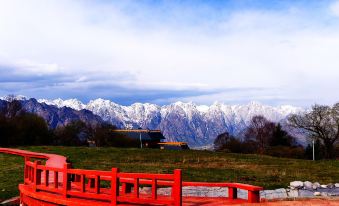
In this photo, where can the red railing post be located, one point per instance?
(82, 183)
(26, 174)
(253, 196)
(115, 186)
(126, 188)
(97, 184)
(232, 193)
(177, 188)
(46, 178)
(37, 175)
(65, 180)
(56, 179)
(154, 189)
(136, 187)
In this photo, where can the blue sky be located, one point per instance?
(275, 52)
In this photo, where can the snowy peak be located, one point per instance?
(13, 97)
(71, 103)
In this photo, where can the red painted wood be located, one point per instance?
(114, 186)
(224, 184)
(177, 188)
(56, 183)
(253, 196)
(154, 189)
(232, 193)
(56, 179)
(65, 185)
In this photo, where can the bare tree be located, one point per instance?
(322, 123)
(260, 130)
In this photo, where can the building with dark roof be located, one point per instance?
(148, 138)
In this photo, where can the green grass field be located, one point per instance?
(269, 172)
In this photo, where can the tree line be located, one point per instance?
(320, 124)
(261, 137)
(20, 128)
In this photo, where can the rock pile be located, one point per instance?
(302, 189)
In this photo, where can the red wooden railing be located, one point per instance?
(60, 182)
(253, 191)
(86, 184)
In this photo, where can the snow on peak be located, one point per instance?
(142, 113)
(203, 108)
(13, 97)
(71, 103)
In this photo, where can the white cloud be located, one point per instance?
(284, 49)
(334, 8)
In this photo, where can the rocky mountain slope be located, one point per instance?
(55, 116)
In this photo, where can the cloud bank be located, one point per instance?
(163, 51)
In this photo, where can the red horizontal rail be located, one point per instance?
(148, 181)
(90, 195)
(23, 153)
(146, 176)
(49, 189)
(223, 184)
(42, 167)
(89, 172)
(130, 199)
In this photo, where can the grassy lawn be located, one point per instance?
(269, 172)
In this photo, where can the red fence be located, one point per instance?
(57, 181)
(109, 186)
(252, 191)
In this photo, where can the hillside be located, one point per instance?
(269, 172)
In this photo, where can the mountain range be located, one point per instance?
(196, 124)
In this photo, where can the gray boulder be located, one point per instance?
(308, 185)
(330, 186)
(306, 193)
(292, 193)
(316, 185)
(296, 184)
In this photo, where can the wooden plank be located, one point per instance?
(154, 189)
(177, 188)
(114, 187)
(56, 179)
(46, 178)
(136, 188)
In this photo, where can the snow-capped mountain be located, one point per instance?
(196, 124)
